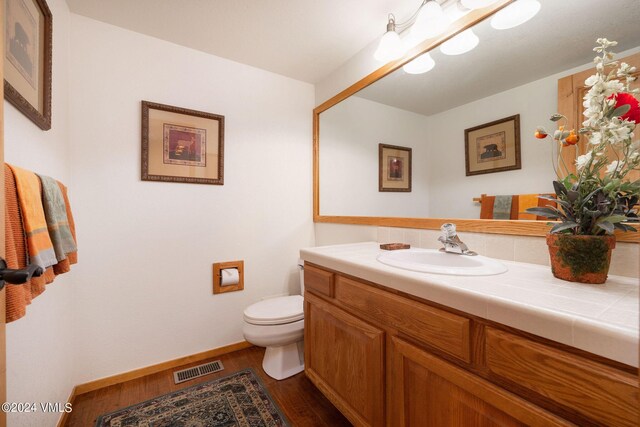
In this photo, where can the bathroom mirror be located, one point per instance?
(511, 72)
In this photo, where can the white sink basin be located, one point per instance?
(434, 261)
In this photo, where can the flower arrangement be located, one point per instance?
(600, 196)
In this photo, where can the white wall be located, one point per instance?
(357, 67)
(350, 133)
(40, 346)
(451, 191)
(144, 283)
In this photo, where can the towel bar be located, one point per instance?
(17, 277)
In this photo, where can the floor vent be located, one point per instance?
(197, 371)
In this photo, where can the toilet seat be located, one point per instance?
(275, 311)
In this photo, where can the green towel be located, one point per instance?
(502, 207)
(55, 211)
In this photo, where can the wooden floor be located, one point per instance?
(297, 397)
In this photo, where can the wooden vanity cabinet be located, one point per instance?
(344, 357)
(383, 358)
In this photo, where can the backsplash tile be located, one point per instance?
(475, 242)
(384, 235)
(429, 239)
(531, 249)
(625, 260)
(396, 235)
(412, 237)
(499, 246)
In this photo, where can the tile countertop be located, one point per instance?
(601, 319)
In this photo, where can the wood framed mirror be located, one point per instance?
(510, 70)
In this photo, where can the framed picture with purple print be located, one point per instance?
(182, 145)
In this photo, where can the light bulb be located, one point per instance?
(462, 43)
(476, 4)
(431, 21)
(515, 14)
(420, 65)
(390, 47)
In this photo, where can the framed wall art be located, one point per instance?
(181, 145)
(493, 147)
(27, 59)
(394, 168)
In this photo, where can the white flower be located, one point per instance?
(618, 131)
(596, 138)
(625, 70)
(582, 161)
(615, 166)
(593, 79)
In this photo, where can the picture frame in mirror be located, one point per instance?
(493, 147)
(394, 168)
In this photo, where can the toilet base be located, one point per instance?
(284, 361)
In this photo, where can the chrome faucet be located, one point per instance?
(451, 241)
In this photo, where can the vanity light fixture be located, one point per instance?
(431, 21)
(515, 14)
(428, 21)
(390, 46)
(477, 4)
(420, 65)
(462, 43)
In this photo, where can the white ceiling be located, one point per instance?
(561, 36)
(301, 39)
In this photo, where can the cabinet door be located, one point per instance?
(431, 392)
(344, 357)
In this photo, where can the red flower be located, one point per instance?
(633, 115)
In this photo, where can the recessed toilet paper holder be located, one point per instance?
(228, 276)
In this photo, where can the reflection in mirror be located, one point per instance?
(510, 72)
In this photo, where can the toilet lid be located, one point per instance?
(275, 311)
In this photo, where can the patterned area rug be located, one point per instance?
(239, 400)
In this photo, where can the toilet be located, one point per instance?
(278, 324)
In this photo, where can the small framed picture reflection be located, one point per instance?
(493, 147)
(394, 168)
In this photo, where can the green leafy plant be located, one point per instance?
(599, 197)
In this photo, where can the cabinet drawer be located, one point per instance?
(598, 392)
(318, 280)
(443, 330)
(429, 391)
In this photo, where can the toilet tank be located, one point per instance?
(301, 269)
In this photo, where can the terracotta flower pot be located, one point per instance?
(583, 259)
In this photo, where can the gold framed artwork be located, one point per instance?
(182, 145)
(394, 168)
(493, 147)
(27, 59)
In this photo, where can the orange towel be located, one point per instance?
(19, 296)
(544, 203)
(527, 201)
(39, 244)
(486, 207)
